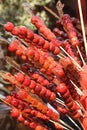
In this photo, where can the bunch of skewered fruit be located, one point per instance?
(52, 81)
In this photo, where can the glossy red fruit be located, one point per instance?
(13, 46)
(49, 112)
(48, 93)
(23, 57)
(20, 118)
(8, 99)
(30, 53)
(43, 91)
(34, 112)
(40, 79)
(37, 21)
(27, 110)
(14, 102)
(53, 96)
(30, 35)
(15, 113)
(26, 122)
(55, 116)
(41, 41)
(45, 82)
(46, 118)
(23, 31)
(26, 80)
(36, 39)
(15, 31)
(21, 94)
(39, 127)
(33, 125)
(62, 88)
(19, 77)
(19, 51)
(32, 84)
(38, 88)
(36, 56)
(8, 26)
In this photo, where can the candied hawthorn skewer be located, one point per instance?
(43, 59)
(74, 59)
(28, 69)
(37, 104)
(25, 82)
(20, 116)
(19, 104)
(34, 39)
(55, 41)
(62, 89)
(71, 31)
(42, 28)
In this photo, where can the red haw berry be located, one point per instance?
(13, 46)
(41, 41)
(34, 112)
(53, 96)
(14, 102)
(62, 88)
(20, 118)
(23, 31)
(26, 80)
(55, 116)
(32, 84)
(14, 113)
(26, 123)
(39, 127)
(45, 117)
(21, 94)
(32, 125)
(43, 91)
(48, 93)
(30, 35)
(15, 31)
(38, 88)
(23, 57)
(45, 82)
(19, 51)
(8, 26)
(49, 112)
(37, 21)
(19, 77)
(8, 99)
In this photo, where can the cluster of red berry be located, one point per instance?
(53, 77)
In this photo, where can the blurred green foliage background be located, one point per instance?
(13, 10)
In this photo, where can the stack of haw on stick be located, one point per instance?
(50, 83)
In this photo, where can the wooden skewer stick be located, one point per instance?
(61, 47)
(56, 123)
(81, 125)
(6, 103)
(82, 25)
(78, 90)
(74, 122)
(51, 12)
(13, 64)
(62, 103)
(63, 123)
(81, 55)
(59, 7)
(79, 67)
(61, 54)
